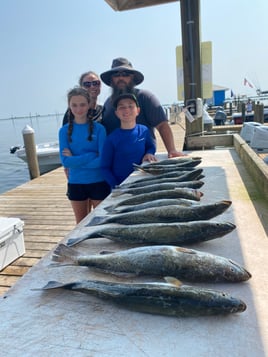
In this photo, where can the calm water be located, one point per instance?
(14, 171)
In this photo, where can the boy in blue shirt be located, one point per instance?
(131, 143)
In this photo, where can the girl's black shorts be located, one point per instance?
(91, 191)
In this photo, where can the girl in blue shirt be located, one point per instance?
(131, 143)
(81, 143)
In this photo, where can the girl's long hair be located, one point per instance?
(72, 93)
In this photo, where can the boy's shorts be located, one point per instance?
(92, 191)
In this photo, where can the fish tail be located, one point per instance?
(117, 192)
(110, 208)
(53, 285)
(73, 241)
(173, 281)
(50, 285)
(57, 285)
(97, 220)
(65, 255)
(89, 235)
(138, 168)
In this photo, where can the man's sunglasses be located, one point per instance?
(89, 84)
(121, 74)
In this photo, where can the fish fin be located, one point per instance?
(104, 252)
(185, 250)
(117, 192)
(73, 241)
(103, 235)
(50, 285)
(173, 281)
(97, 220)
(196, 158)
(138, 168)
(227, 202)
(66, 255)
(110, 208)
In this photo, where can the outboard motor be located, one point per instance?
(13, 149)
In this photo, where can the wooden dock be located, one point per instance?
(47, 214)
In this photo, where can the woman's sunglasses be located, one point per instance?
(89, 84)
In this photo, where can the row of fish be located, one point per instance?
(160, 260)
(170, 299)
(163, 217)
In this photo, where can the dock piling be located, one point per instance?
(30, 150)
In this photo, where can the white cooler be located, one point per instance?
(11, 240)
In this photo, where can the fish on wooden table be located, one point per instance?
(185, 163)
(174, 161)
(154, 203)
(187, 193)
(147, 176)
(164, 260)
(158, 233)
(156, 187)
(188, 176)
(165, 214)
(162, 170)
(170, 298)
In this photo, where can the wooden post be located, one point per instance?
(191, 57)
(243, 112)
(30, 150)
(231, 108)
(258, 113)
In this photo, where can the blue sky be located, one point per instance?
(46, 45)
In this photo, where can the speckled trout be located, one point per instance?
(187, 193)
(163, 260)
(177, 160)
(154, 203)
(170, 298)
(159, 233)
(172, 163)
(157, 187)
(165, 214)
(148, 176)
(159, 170)
(189, 176)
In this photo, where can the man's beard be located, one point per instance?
(118, 91)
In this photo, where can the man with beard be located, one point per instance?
(123, 78)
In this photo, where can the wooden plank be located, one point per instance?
(3, 289)
(34, 253)
(47, 214)
(38, 246)
(8, 280)
(25, 262)
(209, 141)
(43, 206)
(16, 270)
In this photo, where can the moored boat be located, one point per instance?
(47, 155)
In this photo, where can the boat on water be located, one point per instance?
(47, 155)
(249, 117)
